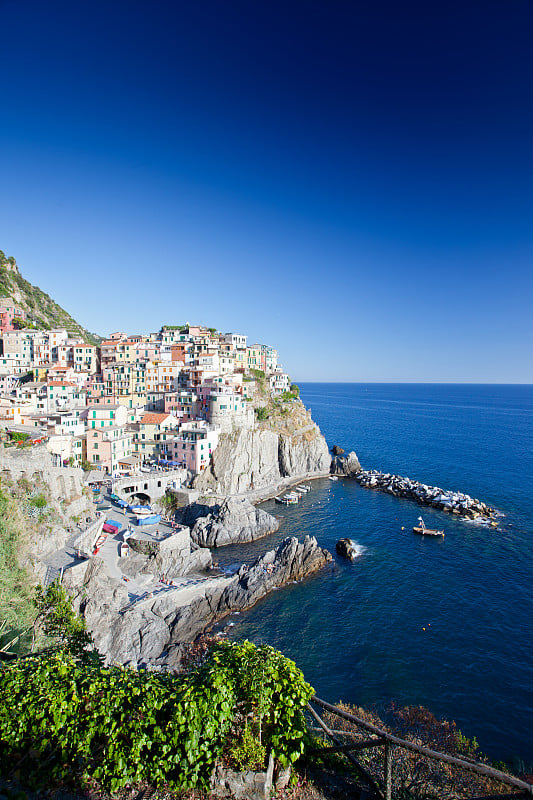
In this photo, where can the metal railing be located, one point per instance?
(383, 785)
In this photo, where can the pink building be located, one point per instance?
(193, 447)
(8, 311)
(186, 405)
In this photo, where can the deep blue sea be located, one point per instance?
(447, 624)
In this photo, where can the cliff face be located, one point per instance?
(288, 446)
(150, 629)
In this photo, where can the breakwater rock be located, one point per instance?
(453, 502)
(234, 521)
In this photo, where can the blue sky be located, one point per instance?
(350, 182)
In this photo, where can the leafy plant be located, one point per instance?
(119, 726)
(57, 620)
(247, 752)
(261, 413)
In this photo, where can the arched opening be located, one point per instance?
(142, 497)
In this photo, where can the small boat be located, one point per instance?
(153, 519)
(279, 499)
(333, 477)
(303, 489)
(141, 510)
(291, 499)
(426, 531)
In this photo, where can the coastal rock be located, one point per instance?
(346, 466)
(291, 561)
(345, 547)
(236, 520)
(259, 458)
(336, 450)
(149, 630)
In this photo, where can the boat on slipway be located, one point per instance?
(421, 528)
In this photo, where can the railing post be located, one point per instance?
(387, 770)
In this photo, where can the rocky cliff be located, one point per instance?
(288, 445)
(150, 630)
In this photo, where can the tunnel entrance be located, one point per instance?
(142, 497)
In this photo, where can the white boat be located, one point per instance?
(333, 478)
(304, 489)
(291, 499)
(141, 511)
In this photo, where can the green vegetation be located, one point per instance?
(16, 604)
(261, 413)
(57, 621)
(295, 389)
(42, 311)
(246, 751)
(257, 373)
(19, 436)
(115, 726)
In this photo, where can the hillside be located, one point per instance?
(42, 311)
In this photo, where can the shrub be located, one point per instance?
(261, 413)
(118, 726)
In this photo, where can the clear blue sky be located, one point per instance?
(351, 182)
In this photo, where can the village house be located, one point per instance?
(193, 447)
(10, 311)
(106, 447)
(279, 382)
(150, 432)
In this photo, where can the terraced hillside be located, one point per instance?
(42, 311)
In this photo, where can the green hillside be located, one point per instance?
(43, 312)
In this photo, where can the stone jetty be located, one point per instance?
(454, 502)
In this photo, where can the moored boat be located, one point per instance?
(426, 531)
(291, 499)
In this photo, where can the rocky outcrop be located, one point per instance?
(345, 466)
(262, 457)
(236, 520)
(336, 450)
(149, 629)
(345, 547)
(291, 561)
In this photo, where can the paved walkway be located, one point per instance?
(144, 586)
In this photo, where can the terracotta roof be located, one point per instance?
(153, 419)
(61, 383)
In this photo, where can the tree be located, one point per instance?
(57, 619)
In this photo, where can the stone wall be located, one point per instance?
(152, 484)
(65, 483)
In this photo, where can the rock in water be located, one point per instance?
(291, 561)
(347, 466)
(344, 547)
(235, 520)
(336, 450)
